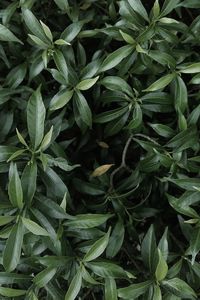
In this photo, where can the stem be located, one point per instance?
(122, 165)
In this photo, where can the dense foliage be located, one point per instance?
(99, 149)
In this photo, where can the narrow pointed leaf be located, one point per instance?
(42, 278)
(35, 118)
(110, 289)
(86, 83)
(160, 83)
(34, 227)
(14, 187)
(179, 288)
(74, 287)
(162, 268)
(61, 99)
(83, 108)
(97, 248)
(134, 290)
(113, 59)
(7, 36)
(8, 292)
(12, 251)
(29, 178)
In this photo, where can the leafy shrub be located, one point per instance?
(99, 149)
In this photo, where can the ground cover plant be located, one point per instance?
(99, 149)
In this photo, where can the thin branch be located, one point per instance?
(122, 165)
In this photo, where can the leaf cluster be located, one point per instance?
(99, 149)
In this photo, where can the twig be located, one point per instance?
(122, 165)
(147, 138)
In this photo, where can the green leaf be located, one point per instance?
(107, 269)
(194, 116)
(194, 244)
(148, 249)
(52, 209)
(163, 244)
(74, 287)
(110, 289)
(183, 140)
(160, 83)
(46, 140)
(163, 130)
(157, 295)
(156, 9)
(97, 248)
(35, 118)
(162, 58)
(87, 277)
(44, 222)
(16, 76)
(110, 115)
(54, 183)
(29, 179)
(62, 4)
(62, 163)
(175, 269)
(113, 59)
(133, 291)
(83, 108)
(6, 152)
(61, 64)
(16, 154)
(116, 125)
(42, 278)
(88, 220)
(36, 67)
(116, 240)
(12, 251)
(47, 31)
(139, 8)
(9, 12)
(34, 227)
(136, 117)
(181, 207)
(168, 6)
(181, 97)
(190, 3)
(7, 36)
(189, 184)
(195, 79)
(14, 187)
(162, 268)
(128, 38)
(157, 102)
(21, 139)
(86, 83)
(182, 122)
(6, 220)
(10, 278)
(32, 296)
(8, 292)
(190, 69)
(38, 41)
(179, 288)
(34, 25)
(61, 42)
(61, 99)
(115, 83)
(72, 31)
(53, 261)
